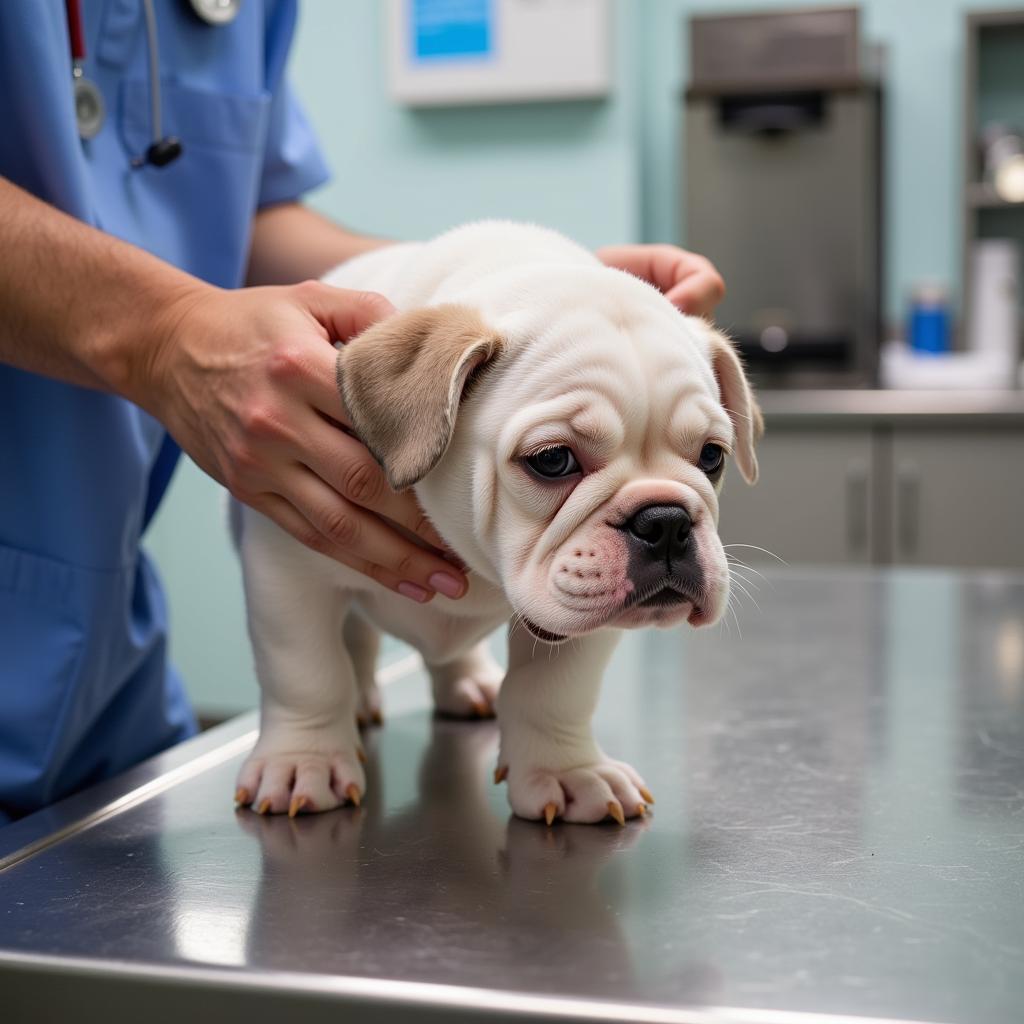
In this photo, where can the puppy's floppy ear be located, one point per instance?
(739, 402)
(402, 381)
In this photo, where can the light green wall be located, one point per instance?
(599, 171)
(411, 174)
(189, 539)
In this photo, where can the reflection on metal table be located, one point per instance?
(839, 831)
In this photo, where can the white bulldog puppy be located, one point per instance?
(566, 430)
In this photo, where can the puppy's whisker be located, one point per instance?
(756, 548)
(737, 566)
(723, 624)
(740, 571)
(738, 580)
(747, 593)
(736, 560)
(735, 572)
(732, 608)
(741, 583)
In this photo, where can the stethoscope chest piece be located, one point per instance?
(216, 12)
(90, 110)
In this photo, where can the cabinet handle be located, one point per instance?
(908, 496)
(856, 505)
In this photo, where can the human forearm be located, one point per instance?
(291, 243)
(244, 380)
(77, 304)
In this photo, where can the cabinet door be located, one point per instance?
(813, 503)
(958, 497)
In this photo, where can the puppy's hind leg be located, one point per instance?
(467, 686)
(362, 640)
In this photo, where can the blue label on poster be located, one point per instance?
(451, 29)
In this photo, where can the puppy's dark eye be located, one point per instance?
(711, 458)
(553, 463)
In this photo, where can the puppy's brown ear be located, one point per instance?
(739, 402)
(402, 381)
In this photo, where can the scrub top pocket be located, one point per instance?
(43, 642)
(65, 665)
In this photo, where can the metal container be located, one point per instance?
(783, 192)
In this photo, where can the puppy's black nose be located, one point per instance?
(662, 532)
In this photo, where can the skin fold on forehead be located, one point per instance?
(651, 376)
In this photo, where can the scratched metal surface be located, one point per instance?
(839, 830)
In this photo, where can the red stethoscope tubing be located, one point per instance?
(75, 32)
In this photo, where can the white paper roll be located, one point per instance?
(995, 299)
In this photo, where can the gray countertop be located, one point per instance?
(908, 408)
(839, 834)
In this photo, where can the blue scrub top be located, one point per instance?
(85, 688)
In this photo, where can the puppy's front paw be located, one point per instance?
(588, 793)
(300, 776)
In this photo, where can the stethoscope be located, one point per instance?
(91, 111)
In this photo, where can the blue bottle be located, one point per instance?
(928, 329)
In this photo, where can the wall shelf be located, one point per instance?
(993, 93)
(982, 196)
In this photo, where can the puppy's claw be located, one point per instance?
(376, 717)
(361, 754)
(352, 792)
(641, 810)
(482, 709)
(299, 803)
(615, 810)
(550, 810)
(500, 774)
(242, 798)
(264, 807)
(646, 794)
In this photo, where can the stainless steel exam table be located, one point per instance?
(839, 833)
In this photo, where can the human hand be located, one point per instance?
(245, 382)
(686, 279)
